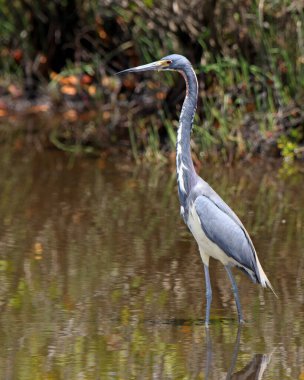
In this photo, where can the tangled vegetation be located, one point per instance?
(249, 57)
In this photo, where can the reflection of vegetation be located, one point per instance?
(250, 61)
(95, 261)
(79, 148)
(290, 145)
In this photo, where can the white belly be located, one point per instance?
(206, 246)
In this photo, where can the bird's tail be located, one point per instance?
(263, 278)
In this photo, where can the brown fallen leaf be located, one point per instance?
(101, 163)
(70, 115)
(250, 107)
(39, 108)
(14, 91)
(17, 54)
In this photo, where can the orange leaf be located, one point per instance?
(3, 112)
(43, 59)
(106, 116)
(70, 80)
(105, 81)
(161, 95)
(17, 55)
(68, 90)
(86, 79)
(186, 329)
(38, 248)
(102, 33)
(54, 75)
(92, 90)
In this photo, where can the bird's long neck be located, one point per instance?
(186, 175)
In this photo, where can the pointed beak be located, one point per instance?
(157, 65)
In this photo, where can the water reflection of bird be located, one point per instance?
(217, 229)
(253, 370)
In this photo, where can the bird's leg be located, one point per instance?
(209, 354)
(208, 294)
(235, 353)
(236, 294)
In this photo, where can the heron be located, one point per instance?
(217, 230)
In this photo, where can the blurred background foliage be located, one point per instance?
(60, 56)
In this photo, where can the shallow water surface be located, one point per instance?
(100, 279)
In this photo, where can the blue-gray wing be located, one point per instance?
(226, 232)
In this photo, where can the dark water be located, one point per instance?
(101, 280)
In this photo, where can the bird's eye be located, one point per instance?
(169, 62)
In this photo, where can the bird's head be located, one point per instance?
(173, 62)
